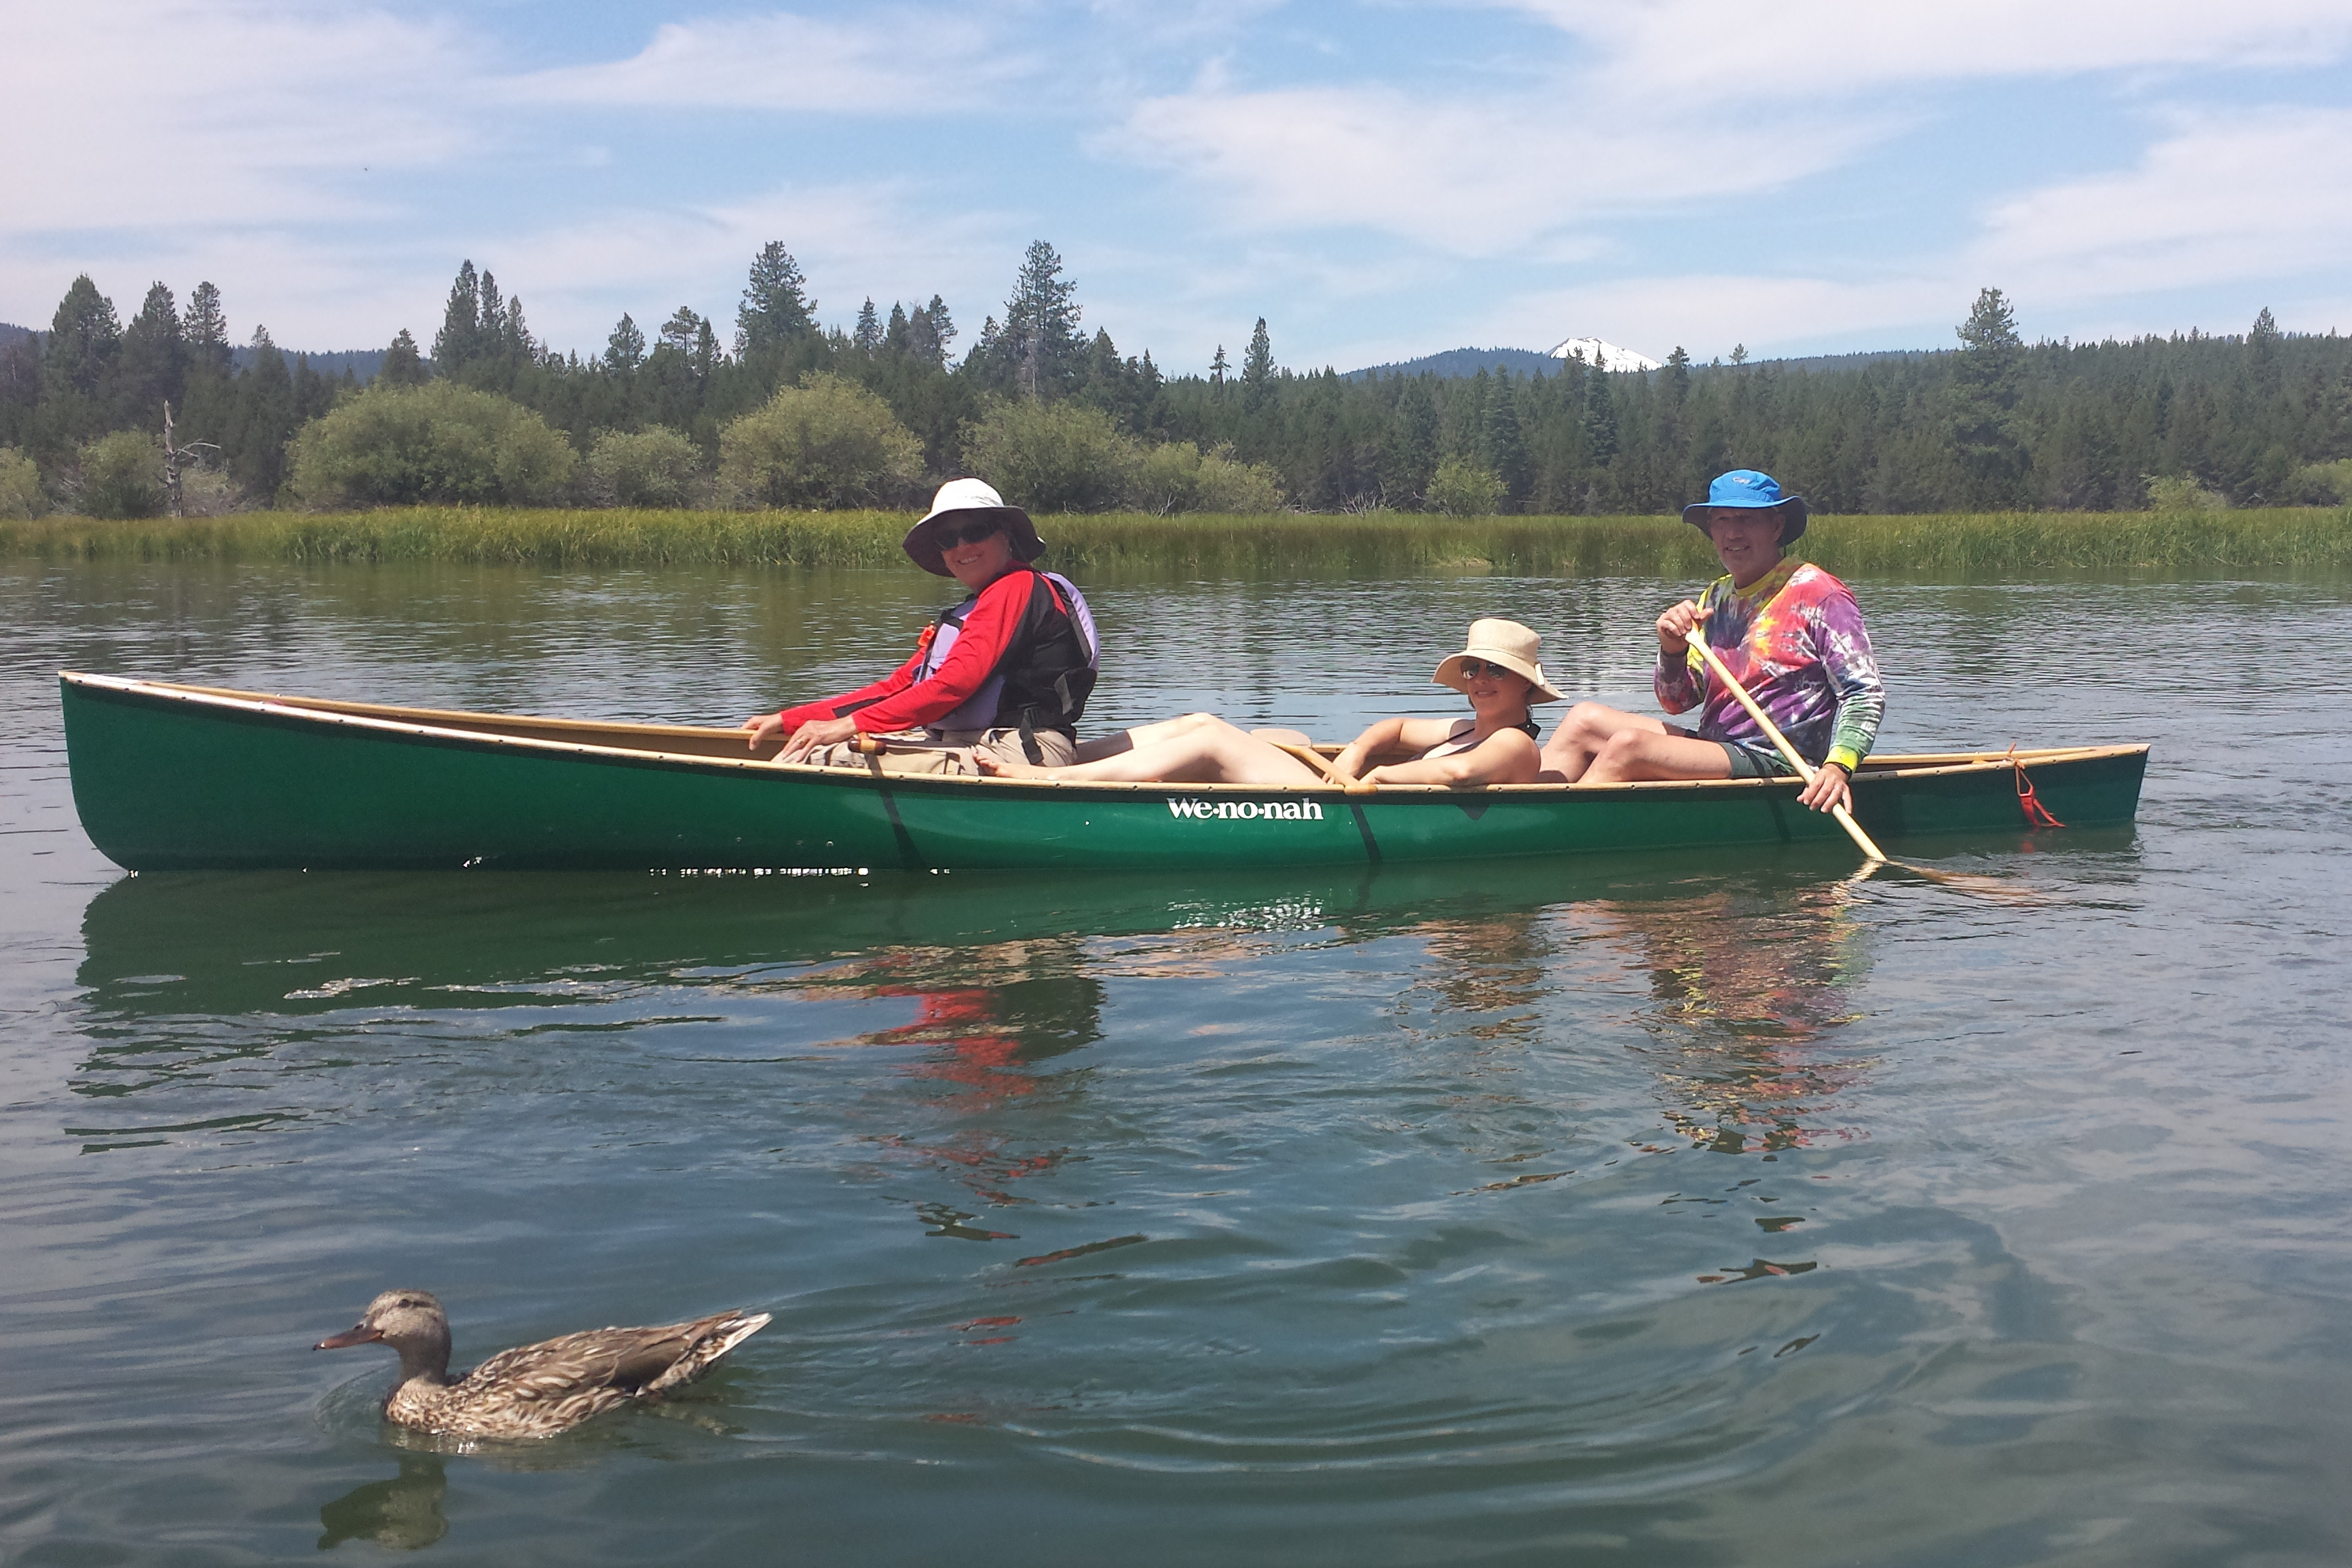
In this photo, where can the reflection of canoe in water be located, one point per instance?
(182, 776)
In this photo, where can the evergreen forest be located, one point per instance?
(775, 409)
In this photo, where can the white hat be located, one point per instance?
(958, 496)
(1505, 643)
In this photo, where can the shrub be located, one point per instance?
(1177, 477)
(654, 466)
(122, 476)
(825, 443)
(209, 492)
(2314, 484)
(20, 486)
(1461, 488)
(438, 442)
(1051, 457)
(2180, 492)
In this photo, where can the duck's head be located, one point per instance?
(410, 1322)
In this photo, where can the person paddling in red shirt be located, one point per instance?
(1007, 672)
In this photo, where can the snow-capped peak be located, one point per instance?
(1593, 351)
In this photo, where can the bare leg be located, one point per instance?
(1199, 748)
(1141, 735)
(1631, 754)
(1588, 727)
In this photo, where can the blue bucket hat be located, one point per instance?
(1747, 488)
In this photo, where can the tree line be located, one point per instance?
(778, 409)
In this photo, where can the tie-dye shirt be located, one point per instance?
(1794, 638)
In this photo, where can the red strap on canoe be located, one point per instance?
(2036, 814)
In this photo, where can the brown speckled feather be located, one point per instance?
(537, 1391)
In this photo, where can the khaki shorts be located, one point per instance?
(945, 752)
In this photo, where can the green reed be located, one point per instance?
(1949, 544)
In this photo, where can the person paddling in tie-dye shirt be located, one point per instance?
(1789, 632)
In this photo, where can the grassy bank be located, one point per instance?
(1992, 544)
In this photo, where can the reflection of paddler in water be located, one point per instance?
(1494, 965)
(1498, 671)
(990, 1013)
(1747, 991)
(1005, 674)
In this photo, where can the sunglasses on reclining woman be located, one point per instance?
(947, 536)
(1473, 668)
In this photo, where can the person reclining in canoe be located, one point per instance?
(1789, 632)
(1006, 673)
(1498, 671)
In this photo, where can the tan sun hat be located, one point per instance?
(1505, 643)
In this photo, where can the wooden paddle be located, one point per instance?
(1324, 766)
(1805, 770)
(1874, 856)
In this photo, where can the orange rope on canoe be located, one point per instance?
(2036, 814)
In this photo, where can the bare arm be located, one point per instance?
(1508, 756)
(1388, 734)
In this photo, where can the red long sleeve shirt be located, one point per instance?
(898, 701)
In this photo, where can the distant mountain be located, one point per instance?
(1465, 364)
(362, 362)
(1593, 351)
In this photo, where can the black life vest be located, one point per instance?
(1046, 672)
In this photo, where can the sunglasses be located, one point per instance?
(948, 536)
(1477, 668)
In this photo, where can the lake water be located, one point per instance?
(1687, 1210)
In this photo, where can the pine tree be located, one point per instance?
(206, 331)
(1987, 375)
(84, 337)
(1409, 455)
(154, 363)
(266, 419)
(895, 339)
(2263, 355)
(1500, 442)
(489, 326)
(681, 330)
(625, 349)
(457, 343)
(867, 337)
(1217, 369)
(1041, 325)
(776, 307)
(1678, 376)
(1257, 369)
(402, 366)
(704, 353)
(942, 327)
(1600, 418)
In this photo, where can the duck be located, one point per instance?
(533, 1390)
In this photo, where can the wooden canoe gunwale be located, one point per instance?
(536, 732)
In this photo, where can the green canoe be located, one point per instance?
(186, 777)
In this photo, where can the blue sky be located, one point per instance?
(1377, 180)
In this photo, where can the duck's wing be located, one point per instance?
(622, 1362)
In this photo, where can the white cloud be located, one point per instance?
(1833, 49)
(156, 113)
(2226, 198)
(887, 62)
(1480, 178)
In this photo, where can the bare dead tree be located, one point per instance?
(173, 455)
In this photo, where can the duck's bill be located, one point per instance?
(359, 1335)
